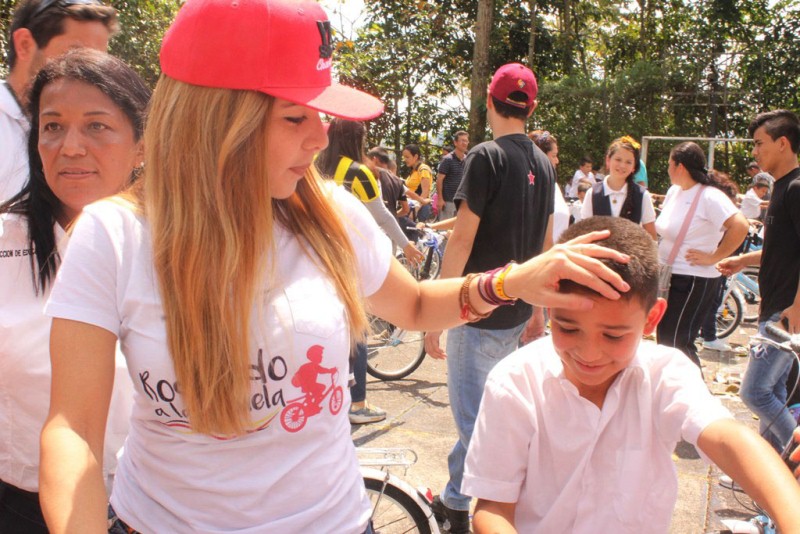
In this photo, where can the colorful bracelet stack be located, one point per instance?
(491, 288)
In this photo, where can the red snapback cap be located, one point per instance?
(281, 48)
(511, 78)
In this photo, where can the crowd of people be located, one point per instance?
(179, 267)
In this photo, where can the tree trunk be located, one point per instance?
(533, 6)
(480, 71)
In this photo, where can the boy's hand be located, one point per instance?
(534, 328)
(432, 346)
(730, 266)
(792, 316)
(536, 281)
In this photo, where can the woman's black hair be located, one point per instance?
(627, 143)
(692, 157)
(36, 202)
(345, 139)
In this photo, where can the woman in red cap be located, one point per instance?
(218, 273)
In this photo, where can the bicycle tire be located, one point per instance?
(751, 272)
(729, 315)
(396, 511)
(390, 357)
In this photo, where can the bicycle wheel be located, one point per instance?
(394, 511)
(729, 314)
(436, 264)
(393, 353)
(752, 298)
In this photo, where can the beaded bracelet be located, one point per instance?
(468, 312)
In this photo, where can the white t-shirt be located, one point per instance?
(282, 476)
(14, 129)
(704, 233)
(573, 467)
(560, 214)
(617, 199)
(25, 365)
(572, 190)
(751, 205)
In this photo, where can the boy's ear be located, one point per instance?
(654, 316)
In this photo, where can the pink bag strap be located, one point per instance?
(685, 227)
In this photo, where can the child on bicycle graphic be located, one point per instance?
(306, 379)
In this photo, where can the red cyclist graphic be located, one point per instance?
(298, 410)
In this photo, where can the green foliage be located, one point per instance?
(143, 23)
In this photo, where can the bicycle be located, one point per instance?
(394, 353)
(297, 411)
(761, 523)
(397, 507)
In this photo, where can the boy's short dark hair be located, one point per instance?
(641, 272)
(47, 23)
(459, 134)
(778, 123)
(585, 160)
(379, 153)
(508, 111)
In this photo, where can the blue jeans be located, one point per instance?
(764, 390)
(471, 354)
(358, 393)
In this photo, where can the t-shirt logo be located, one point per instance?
(531, 177)
(297, 411)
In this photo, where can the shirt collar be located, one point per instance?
(608, 191)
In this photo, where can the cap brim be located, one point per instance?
(336, 100)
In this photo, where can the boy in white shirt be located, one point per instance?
(575, 431)
(753, 201)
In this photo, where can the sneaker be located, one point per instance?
(452, 521)
(727, 482)
(717, 344)
(367, 414)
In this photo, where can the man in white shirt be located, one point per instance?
(41, 30)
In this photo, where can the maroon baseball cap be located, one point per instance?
(511, 78)
(281, 48)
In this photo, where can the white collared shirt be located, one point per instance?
(617, 199)
(573, 467)
(14, 127)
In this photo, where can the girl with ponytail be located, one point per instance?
(715, 229)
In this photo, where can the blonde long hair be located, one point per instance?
(206, 198)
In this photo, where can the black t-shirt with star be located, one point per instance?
(508, 183)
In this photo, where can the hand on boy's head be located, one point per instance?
(537, 280)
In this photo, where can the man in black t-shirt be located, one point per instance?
(777, 143)
(505, 208)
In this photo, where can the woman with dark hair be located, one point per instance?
(617, 194)
(713, 229)
(87, 111)
(419, 182)
(548, 144)
(341, 161)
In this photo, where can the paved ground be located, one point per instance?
(420, 419)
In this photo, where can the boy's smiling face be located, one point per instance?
(596, 345)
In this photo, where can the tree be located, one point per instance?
(480, 71)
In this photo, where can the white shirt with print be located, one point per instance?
(290, 473)
(14, 129)
(25, 364)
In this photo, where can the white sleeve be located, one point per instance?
(717, 207)
(586, 209)
(386, 221)
(86, 285)
(683, 405)
(372, 247)
(497, 459)
(648, 211)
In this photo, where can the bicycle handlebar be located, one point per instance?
(790, 342)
